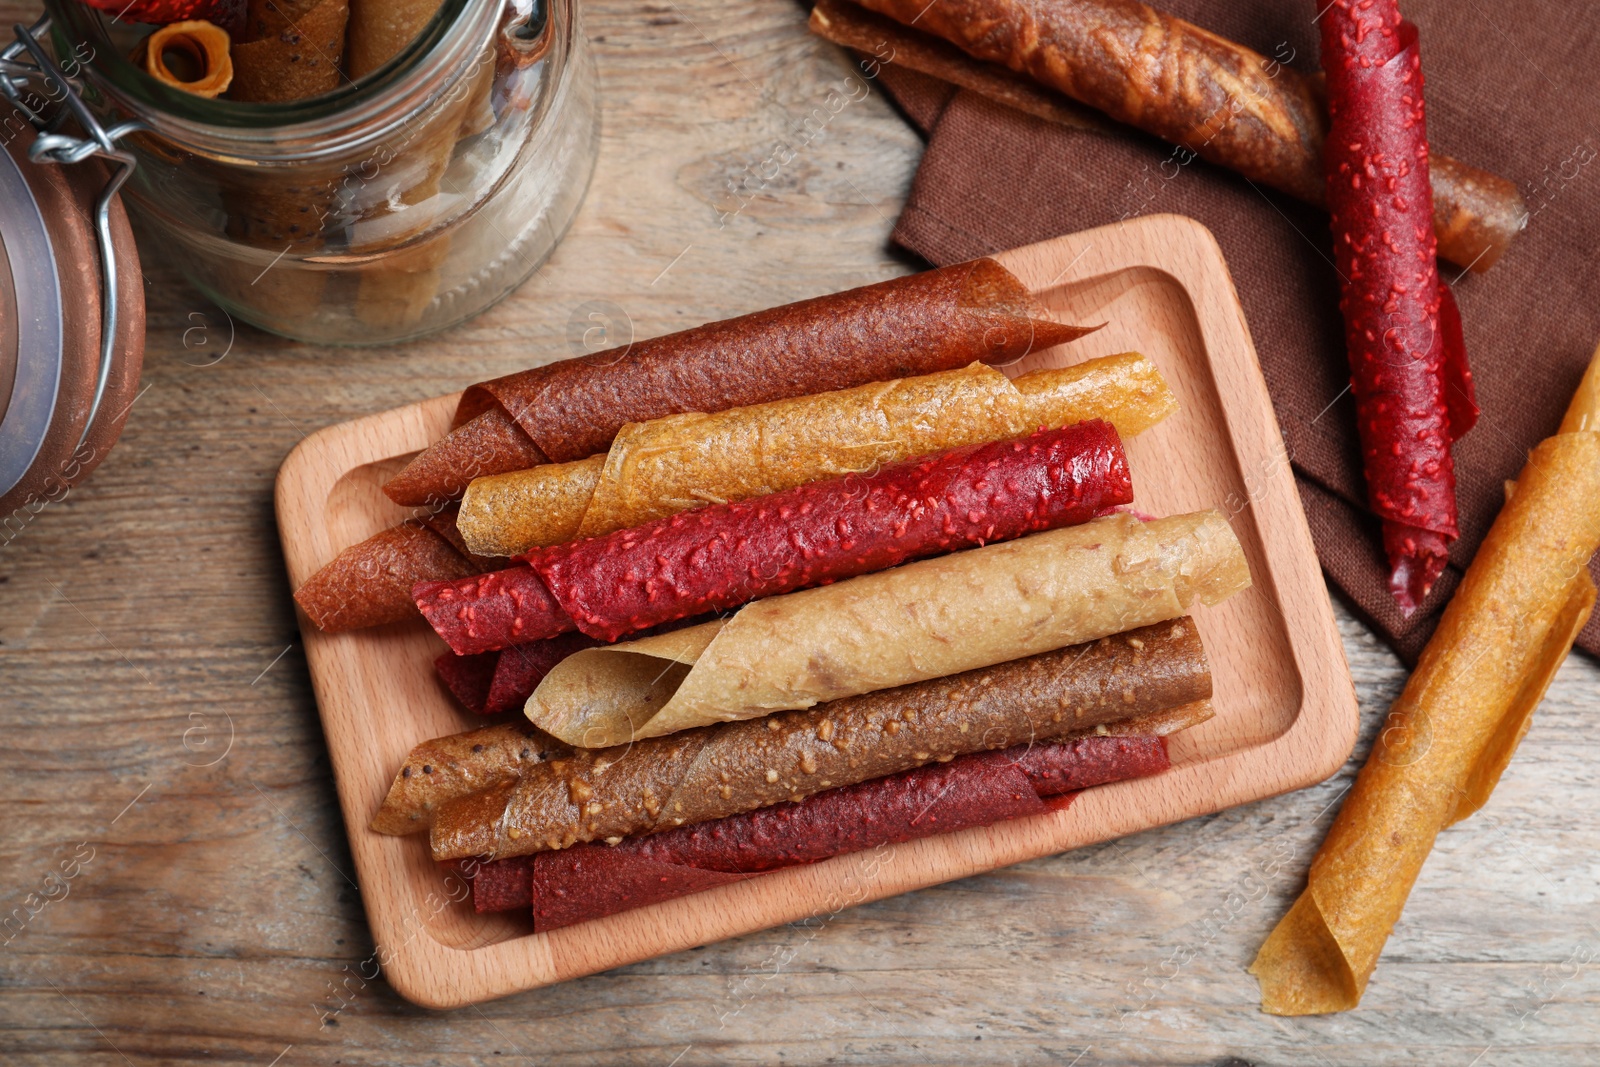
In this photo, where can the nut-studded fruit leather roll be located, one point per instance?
(932, 321)
(715, 771)
(718, 557)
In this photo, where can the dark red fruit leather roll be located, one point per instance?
(716, 558)
(591, 881)
(492, 682)
(571, 409)
(1413, 396)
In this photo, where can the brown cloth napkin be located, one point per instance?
(1516, 96)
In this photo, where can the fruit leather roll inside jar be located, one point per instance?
(378, 205)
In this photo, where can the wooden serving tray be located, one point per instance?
(1286, 708)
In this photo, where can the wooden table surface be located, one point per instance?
(161, 738)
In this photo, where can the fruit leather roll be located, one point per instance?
(448, 767)
(288, 50)
(1209, 96)
(933, 321)
(672, 464)
(718, 557)
(1407, 369)
(715, 771)
(489, 683)
(591, 881)
(1455, 726)
(918, 621)
(370, 583)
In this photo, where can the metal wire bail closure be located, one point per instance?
(26, 62)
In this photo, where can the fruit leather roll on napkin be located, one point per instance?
(668, 465)
(712, 772)
(719, 557)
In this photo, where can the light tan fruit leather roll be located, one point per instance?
(667, 465)
(1455, 726)
(924, 620)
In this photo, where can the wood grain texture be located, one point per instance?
(142, 621)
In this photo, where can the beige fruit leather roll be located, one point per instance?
(1455, 726)
(924, 620)
(670, 464)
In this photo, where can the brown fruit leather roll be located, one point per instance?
(380, 29)
(452, 766)
(289, 50)
(571, 409)
(369, 584)
(711, 772)
(1209, 96)
(591, 881)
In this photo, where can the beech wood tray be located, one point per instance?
(1286, 708)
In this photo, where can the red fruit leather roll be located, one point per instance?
(492, 682)
(718, 557)
(591, 881)
(1407, 380)
(933, 321)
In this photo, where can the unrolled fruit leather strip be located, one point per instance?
(1455, 726)
(567, 410)
(720, 770)
(715, 558)
(190, 55)
(668, 465)
(922, 620)
(1208, 95)
(591, 881)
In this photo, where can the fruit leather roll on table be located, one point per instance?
(1455, 726)
(718, 557)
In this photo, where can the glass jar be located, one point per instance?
(385, 209)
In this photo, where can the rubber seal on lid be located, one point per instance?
(37, 292)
